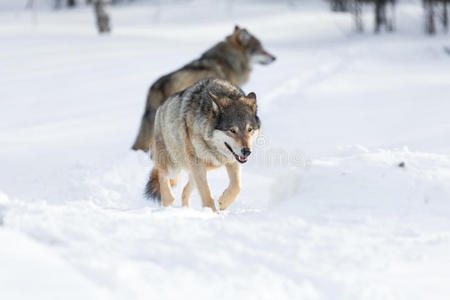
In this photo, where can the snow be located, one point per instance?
(326, 210)
(29, 268)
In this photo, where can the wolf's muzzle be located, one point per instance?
(239, 158)
(246, 151)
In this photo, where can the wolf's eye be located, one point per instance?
(232, 131)
(250, 129)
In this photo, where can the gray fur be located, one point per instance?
(192, 132)
(230, 60)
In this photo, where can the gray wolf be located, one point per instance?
(231, 60)
(208, 125)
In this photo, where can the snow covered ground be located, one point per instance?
(326, 212)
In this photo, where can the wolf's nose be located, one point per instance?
(246, 151)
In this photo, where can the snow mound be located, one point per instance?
(370, 183)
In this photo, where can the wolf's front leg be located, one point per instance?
(230, 194)
(198, 173)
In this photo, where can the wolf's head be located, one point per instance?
(236, 125)
(251, 46)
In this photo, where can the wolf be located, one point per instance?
(231, 60)
(206, 126)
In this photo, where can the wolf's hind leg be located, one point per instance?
(167, 197)
(198, 173)
(187, 193)
(145, 137)
(232, 191)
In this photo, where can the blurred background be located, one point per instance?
(345, 197)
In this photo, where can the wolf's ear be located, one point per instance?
(236, 28)
(217, 102)
(251, 100)
(244, 37)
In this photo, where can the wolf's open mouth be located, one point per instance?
(241, 159)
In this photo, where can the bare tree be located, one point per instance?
(339, 5)
(29, 4)
(445, 16)
(384, 12)
(57, 4)
(430, 26)
(381, 17)
(356, 10)
(435, 9)
(102, 16)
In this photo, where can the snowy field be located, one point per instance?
(326, 212)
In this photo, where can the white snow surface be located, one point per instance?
(326, 212)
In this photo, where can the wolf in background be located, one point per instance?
(208, 125)
(230, 59)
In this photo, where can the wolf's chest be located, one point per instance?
(208, 154)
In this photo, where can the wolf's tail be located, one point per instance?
(152, 189)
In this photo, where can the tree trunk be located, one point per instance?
(430, 26)
(71, 3)
(445, 16)
(357, 14)
(390, 15)
(380, 14)
(57, 4)
(339, 5)
(102, 16)
(29, 5)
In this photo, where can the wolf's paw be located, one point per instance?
(223, 205)
(168, 200)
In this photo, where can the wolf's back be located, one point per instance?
(158, 93)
